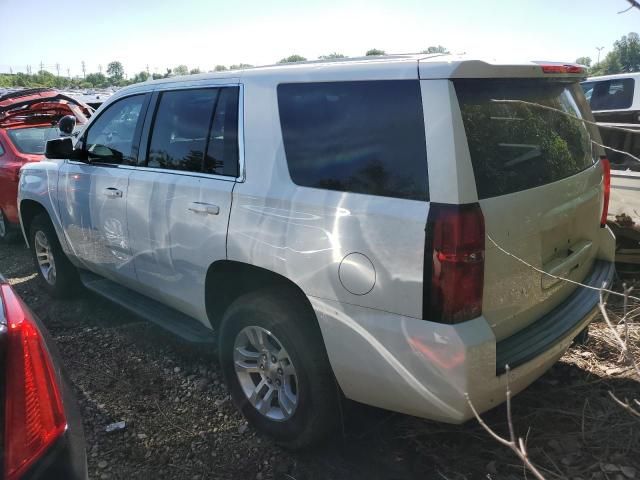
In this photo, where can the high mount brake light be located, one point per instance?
(454, 263)
(562, 69)
(34, 416)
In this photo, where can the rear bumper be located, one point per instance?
(425, 369)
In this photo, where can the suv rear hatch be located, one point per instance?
(540, 189)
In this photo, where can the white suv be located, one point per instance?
(358, 227)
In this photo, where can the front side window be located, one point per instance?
(610, 94)
(32, 140)
(1, 150)
(110, 138)
(361, 137)
(189, 123)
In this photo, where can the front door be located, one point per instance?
(93, 195)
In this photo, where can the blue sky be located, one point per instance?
(204, 33)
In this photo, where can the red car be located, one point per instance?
(28, 119)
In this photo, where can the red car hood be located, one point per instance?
(40, 106)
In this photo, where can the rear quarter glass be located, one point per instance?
(524, 133)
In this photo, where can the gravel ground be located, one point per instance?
(181, 424)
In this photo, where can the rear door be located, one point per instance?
(180, 198)
(540, 189)
(92, 196)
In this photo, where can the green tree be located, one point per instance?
(331, 56)
(438, 49)
(293, 59)
(624, 58)
(115, 70)
(586, 61)
(240, 66)
(375, 52)
(157, 76)
(181, 70)
(97, 79)
(220, 68)
(194, 71)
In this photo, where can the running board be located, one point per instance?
(166, 317)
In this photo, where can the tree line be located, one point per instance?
(623, 58)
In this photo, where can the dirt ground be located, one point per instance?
(180, 423)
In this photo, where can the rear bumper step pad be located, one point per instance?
(557, 324)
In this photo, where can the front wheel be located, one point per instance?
(56, 272)
(276, 368)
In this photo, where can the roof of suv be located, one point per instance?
(428, 66)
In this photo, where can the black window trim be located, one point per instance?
(150, 120)
(144, 110)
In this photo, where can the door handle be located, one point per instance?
(112, 192)
(204, 208)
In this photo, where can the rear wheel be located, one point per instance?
(277, 370)
(56, 272)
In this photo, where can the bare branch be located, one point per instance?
(517, 445)
(633, 4)
(626, 405)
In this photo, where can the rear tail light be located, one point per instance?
(34, 417)
(606, 180)
(454, 263)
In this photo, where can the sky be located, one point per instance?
(205, 33)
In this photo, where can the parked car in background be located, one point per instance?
(28, 118)
(340, 221)
(42, 436)
(615, 102)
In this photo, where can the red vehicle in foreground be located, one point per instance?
(28, 119)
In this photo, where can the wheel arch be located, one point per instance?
(227, 280)
(29, 209)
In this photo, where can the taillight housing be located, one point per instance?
(34, 415)
(569, 68)
(454, 263)
(606, 181)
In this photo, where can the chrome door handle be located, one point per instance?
(112, 192)
(205, 208)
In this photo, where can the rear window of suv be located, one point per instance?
(361, 137)
(524, 133)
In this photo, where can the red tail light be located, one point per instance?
(454, 263)
(606, 180)
(562, 69)
(34, 417)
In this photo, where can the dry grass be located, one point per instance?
(572, 426)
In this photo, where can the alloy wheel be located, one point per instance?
(266, 373)
(44, 254)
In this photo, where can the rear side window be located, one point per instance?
(32, 140)
(610, 94)
(189, 123)
(1, 150)
(361, 137)
(515, 140)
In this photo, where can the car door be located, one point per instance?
(179, 199)
(92, 195)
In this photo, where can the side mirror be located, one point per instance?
(62, 149)
(66, 124)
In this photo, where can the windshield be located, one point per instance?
(523, 133)
(32, 140)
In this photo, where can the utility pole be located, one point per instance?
(28, 69)
(69, 73)
(41, 66)
(83, 69)
(10, 70)
(100, 69)
(599, 50)
(58, 68)
(147, 69)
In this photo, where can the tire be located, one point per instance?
(286, 321)
(7, 231)
(57, 274)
